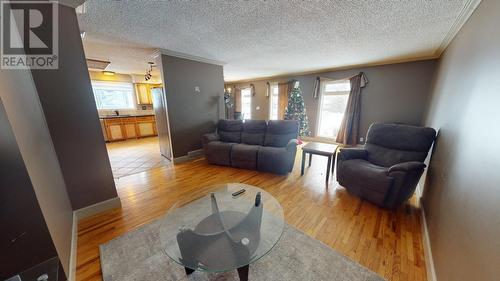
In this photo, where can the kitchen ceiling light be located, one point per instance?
(108, 73)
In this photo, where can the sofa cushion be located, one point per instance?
(218, 152)
(254, 132)
(387, 157)
(244, 156)
(230, 130)
(274, 160)
(401, 137)
(361, 173)
(280, 132)
(390, 144)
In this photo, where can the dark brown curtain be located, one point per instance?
(349, 128)
(282, 99)
(317, 88)
(237, 99)
(284, 90)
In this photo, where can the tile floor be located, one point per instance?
(135, 156)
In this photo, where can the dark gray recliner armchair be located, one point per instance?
(253, 144)
(387, 170)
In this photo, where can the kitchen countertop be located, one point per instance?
(124, 116)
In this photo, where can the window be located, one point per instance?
(246, 103)
(273, 106)
(113, 95)
(333, 103)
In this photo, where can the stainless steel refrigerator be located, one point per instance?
(162, 126)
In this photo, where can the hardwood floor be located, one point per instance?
(386, 242)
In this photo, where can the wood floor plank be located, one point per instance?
(387, 242)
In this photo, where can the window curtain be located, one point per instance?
(317, 88)
(252, 90)
(268, 89)
(237, 99)
(284, 90)
(349, 128)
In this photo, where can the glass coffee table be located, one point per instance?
(222, 231)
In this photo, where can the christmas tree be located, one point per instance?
(296, 110)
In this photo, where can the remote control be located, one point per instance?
(238, 192)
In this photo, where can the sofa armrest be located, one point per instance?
(352, 153)
(206, 138)
(407, 167)
(292, 144)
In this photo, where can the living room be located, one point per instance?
(325, 140)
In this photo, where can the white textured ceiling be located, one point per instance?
(124, 58)
(267, 38)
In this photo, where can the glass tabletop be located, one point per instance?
(220, 231)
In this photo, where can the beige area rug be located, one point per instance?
(137, 256)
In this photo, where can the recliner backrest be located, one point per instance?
(230, 130)
(390, 144)
(280, 132)
(254, 132)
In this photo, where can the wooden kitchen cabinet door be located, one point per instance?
(115, 132)
(143, 92)
(130, 130)
(146, 129)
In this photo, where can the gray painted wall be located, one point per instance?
(20, 99)
(191, 114)
(28, 121)
(25, 239)
(395, 93)
(462, 192)
(70, 110)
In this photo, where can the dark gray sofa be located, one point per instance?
(253, 144)
(387, 170)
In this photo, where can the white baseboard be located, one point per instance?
(192, 155)
(74, 243)
(429, 261)
(82, 213)
(91, 210)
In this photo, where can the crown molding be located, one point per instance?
(284, 76)
(467, 10)
(160, 52)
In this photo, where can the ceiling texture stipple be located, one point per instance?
(269, 38)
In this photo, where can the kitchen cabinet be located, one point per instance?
(130, 130)
(114, 129)
(143, 93)
(103, 128)
(115, 132)
(130, 127)
(146, 126)
(120, 128)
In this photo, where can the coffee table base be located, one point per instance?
(242, 272)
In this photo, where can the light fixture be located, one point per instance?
(108, 73)
(97, 64)
(148, 74)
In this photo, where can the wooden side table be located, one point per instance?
(323, 149)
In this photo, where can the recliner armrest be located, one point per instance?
(206, 138)
(352, 153)
(407, 167)
(292, 144)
